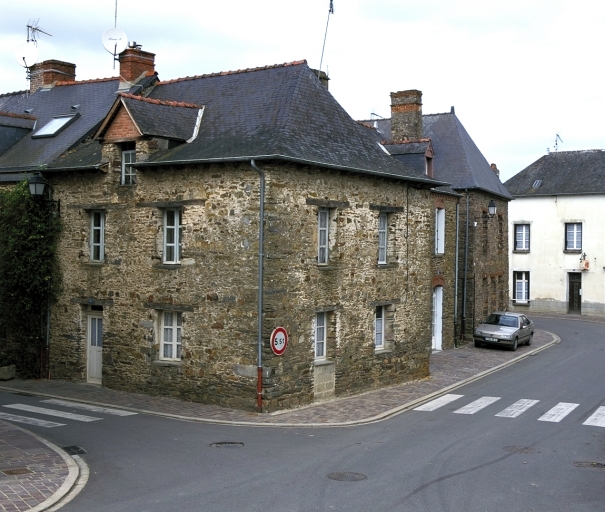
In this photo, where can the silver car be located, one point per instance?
(504, 328)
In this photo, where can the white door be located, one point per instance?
(437, 317)
(95, 348)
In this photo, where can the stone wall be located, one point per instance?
(215, 285)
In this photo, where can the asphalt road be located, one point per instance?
(421, 460)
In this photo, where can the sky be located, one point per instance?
(518, 72)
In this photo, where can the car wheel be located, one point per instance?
(477, 344)
(530, 339)
(514, 345)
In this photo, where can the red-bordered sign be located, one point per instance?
(279, 341)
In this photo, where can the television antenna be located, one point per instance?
(557, 139)
(27, 53)
(330, 11)
(114, 39)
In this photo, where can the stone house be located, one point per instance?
(557, 252)
(469, 262)
(200, 214)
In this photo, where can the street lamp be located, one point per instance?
(37, 184)
(491, 208)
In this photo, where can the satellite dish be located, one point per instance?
(27, 54)
(114, 41)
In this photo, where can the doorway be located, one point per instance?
(575, 293)
(437, 317)
(95, 347)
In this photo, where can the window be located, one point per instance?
(521, 287)
(522, 237)
(171, 331)
(323, 221)
(379, 327)
(439, 230)
(573, 236)
(173, 232)
(320, 335)
(55, 126)
(97, 235)
(129, 157)
(382, 238)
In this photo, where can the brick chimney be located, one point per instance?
(134, 62)
(50, 71)
(495, 169)
(406, 115)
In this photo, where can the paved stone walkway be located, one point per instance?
(46, 474)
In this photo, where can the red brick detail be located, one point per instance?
(160, 102)
(439, 203)
(121, 128)
(410, 107)
(18, 116)
(50, 71)
(134, 63)
(438, 280)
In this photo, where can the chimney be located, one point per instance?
(134, 62)
(322, 76)
(406, 115)
(49, 72)
(495, 169)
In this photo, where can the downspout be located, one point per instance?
(463, 323)
(261, 239)
(456, 272)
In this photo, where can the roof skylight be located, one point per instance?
(55, 126)
(537, 184)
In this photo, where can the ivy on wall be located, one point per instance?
(29, 275)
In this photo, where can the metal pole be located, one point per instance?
(464, 285)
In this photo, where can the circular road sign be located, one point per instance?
(279, 341)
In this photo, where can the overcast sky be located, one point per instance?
(518, 72)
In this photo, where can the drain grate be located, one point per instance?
(522, 450)
(598, 465)
(227, 444)
(347, 476)
(74, 450)
(17, 471)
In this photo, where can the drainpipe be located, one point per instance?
(463, 323)
(456, 272)
(261, 239)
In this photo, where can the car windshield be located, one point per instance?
(504, 320)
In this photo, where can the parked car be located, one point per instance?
(504, 328)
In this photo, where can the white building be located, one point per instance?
(557, 234)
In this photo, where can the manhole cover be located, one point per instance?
(74, 450)
(227, 444)
(17, 471)
(347, 476)
(598, 465)
(522, 450)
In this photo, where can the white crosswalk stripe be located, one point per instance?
(51, 412)
(597, 419)
(438, 402)
(558, 412)
(88, 407)
(518, 408)
(29, 421)
(477, 405)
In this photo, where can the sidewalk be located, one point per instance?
(45, 474)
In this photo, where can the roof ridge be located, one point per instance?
(236, 72)
(92, 80)
(19, 116)
(7, 94)
(159, 102)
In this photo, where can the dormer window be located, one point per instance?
(129, 157)
(429, 166)
(55, 126)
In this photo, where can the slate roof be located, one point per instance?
(561, 173)
(457, 159)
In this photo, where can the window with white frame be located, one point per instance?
(521, 287)
(379, 324)
(323, 226)
(320, 335)
(573, 236)
(439, 230)
(171, 335)
(383, 235)
(129, 157)
(522, 237)
(173, 232)
(97, 235)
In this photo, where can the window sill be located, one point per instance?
(521, 251)
(167, 363)
(167, 266)
(382, 350)
(440, 254)
(524, 303)
(323, 362)
(387, 265)
(572, 251)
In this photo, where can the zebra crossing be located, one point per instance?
(554, 415)
(58, 413)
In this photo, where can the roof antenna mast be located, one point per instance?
(114, 39)
(557, 139)
(330, 11)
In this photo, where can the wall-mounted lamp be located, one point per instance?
(491, 208)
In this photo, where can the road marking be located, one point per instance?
(597, 419)
(518, 408)
(51, 412)
(88, 407)
(29, 421)
(477, 405)
(558, 412)
(438, 402)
